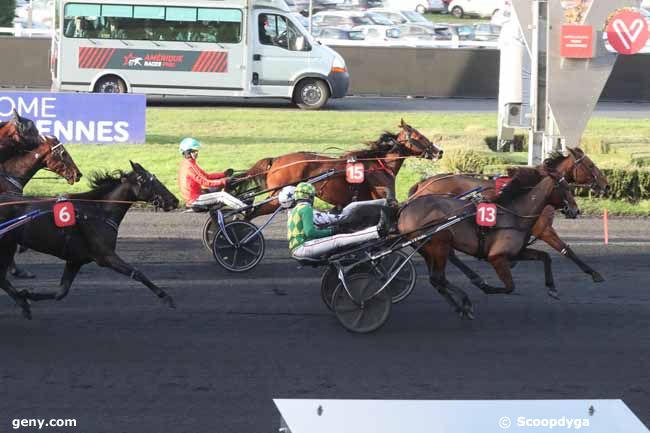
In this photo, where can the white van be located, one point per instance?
(194, 48)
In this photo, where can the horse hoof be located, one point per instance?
(168, 301)
(21, 274)
(597, 277)
(553, 293)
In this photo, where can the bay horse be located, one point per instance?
(500, 245)
(17, 171)
(575, 167)
(99, 213)
(18, 133)
(382, 162)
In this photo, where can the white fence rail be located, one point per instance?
(19, 31)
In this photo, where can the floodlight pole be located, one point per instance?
(539, 106)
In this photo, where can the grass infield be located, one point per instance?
(238, 137)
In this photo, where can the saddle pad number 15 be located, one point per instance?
(64, 215)
(486, 214)
(354, 172)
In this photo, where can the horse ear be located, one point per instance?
(571, 152)
(401, 123)
(15, 114)
(134, 165)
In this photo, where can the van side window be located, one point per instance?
(278, 31)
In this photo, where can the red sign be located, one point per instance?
(577, 41)
(627, 32)
(354, 172)
(500, 183)
(64, 215)
(486, 214)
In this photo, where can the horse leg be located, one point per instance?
(474, 278)
(501, 265)
(264, 209)
(532, 254)
(551, 237)
(436, 257)
(19, 272)
(5, 261)
(69, 274)
(117, 264)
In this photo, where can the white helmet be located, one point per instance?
(286, 197)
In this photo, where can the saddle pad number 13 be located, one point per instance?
(354, 172)
(486, 214)
(64, 215)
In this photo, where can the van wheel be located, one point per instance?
(110, 84)
(457, 11)
(421, 9)
(311, 94)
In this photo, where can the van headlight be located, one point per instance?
(338, 65)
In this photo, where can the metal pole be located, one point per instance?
(538, 82)
(311, 5)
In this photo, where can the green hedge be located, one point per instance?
(7, 13)
(627, 184)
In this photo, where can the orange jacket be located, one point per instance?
(192, 178)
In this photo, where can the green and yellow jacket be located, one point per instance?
(301, 228)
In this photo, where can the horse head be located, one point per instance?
(57, 159)
(579, 169)
(417, 144)
(146, 187)
(561, 197)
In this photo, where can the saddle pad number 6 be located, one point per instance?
(486, 214)
(64, 215)
(354, 172)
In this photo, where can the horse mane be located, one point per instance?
(554, 159)
(101, 182)
(378, 147)
(523, 180)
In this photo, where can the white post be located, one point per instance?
(311, 5)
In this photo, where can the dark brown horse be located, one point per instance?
(17, 171)
(576, 168)
(93, 238)
(499, 245)
(382, 162)
(18, 133)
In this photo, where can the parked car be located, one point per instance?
(379, 19)
(336, 34)
(379, 33)
(500, 17)
(399, 17)
(486, 32)
(421, 6)
(463, 32)
(359, 4)
(344, 19)
(298, 6)
(479, 8)
(415, 32)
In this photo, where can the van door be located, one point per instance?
(280, 53)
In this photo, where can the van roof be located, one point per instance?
(274, 4)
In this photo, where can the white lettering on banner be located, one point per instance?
(31, 108)
(103, 131)
(44, 106)
(27, 107)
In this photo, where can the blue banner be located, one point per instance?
(81, 117)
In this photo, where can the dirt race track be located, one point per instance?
(116, 360)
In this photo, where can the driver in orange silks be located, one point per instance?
(192, 179)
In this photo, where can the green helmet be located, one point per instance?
(189, 144)
(304, 191)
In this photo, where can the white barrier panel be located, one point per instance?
(457, 416)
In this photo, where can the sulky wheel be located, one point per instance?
(330, 279)
(238, 256)
(403, 283)
(363, 312)
(209, 230)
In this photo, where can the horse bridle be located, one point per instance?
(577, 162)
(141, 180)
(425, 150)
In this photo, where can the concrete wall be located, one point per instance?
(388, 71)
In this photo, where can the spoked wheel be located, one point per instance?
(330, 280)
(399, 289)
(243, 254)
(209, 230)
(363, 312)
(402, 285)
